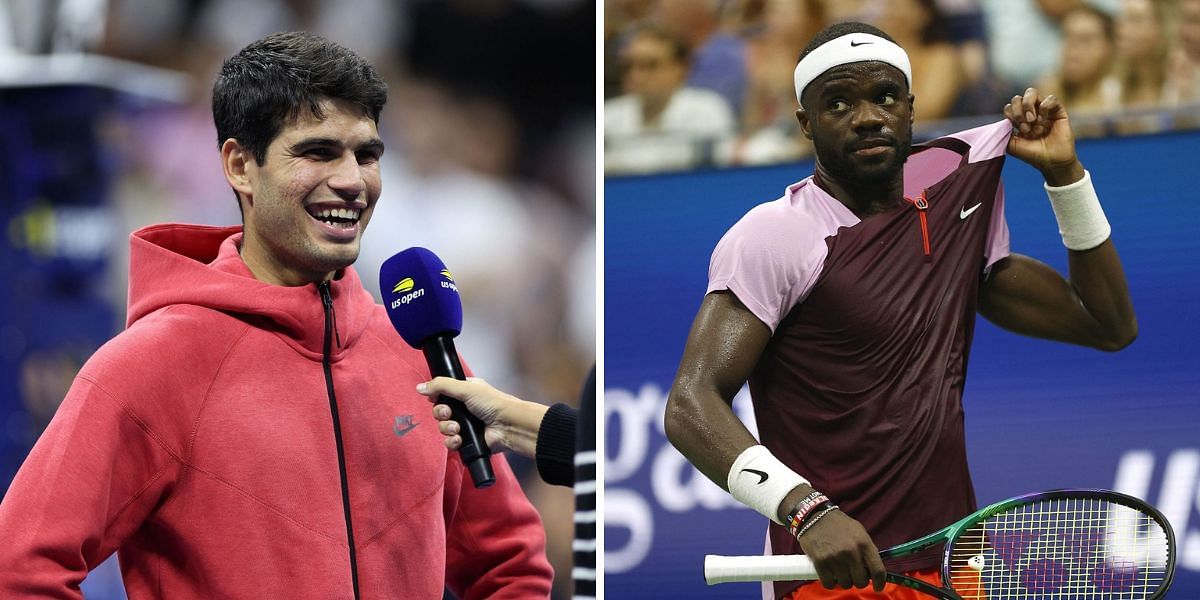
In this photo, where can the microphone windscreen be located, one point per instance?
(420, 296)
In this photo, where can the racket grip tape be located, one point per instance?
(788, 567)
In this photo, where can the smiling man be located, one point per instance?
(308, 201)
(240, 438)
(849, 304)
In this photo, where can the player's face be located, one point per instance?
(313, 196)
(859, 117)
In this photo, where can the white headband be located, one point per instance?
(850, 48)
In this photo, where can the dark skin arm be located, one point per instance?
(724, 345)
(1023, 295)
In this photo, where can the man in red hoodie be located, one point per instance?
(255, 431)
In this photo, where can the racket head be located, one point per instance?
(1084, 544)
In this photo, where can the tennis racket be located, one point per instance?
(1076, 544)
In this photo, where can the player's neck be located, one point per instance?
(862, 198)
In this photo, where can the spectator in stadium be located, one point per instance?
(1141, 62)
(1016, 26)
(718, 58)
(1184, 75)
(1083, 79)
(770, 132)
(659, 123)
(920, 28)
(621, 18)
(967, 26)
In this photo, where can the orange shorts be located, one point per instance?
(891, 591)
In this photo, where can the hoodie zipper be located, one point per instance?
(922, 205)
(330, 329)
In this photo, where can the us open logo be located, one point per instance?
(449, 283)
(404, 285)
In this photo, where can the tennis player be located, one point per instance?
(849, 305)
(255, 432)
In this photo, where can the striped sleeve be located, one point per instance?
(584, 546)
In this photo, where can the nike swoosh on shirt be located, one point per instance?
(762, 476)
(963, 213)
(404, 424)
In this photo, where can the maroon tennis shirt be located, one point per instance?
(860, 387)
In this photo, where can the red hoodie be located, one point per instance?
(200, 445)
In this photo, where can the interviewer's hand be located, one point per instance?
(510, 423)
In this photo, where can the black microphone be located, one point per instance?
(423, 303)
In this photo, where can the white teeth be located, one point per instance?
(339, 213)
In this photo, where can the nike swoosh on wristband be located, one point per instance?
(857, 44)
(762, 476)
(964, 212)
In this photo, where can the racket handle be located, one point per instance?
(788, 567)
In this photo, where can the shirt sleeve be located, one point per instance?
(495, 541)
(997, 244)
(555, 450)
(990, 142)
(91, 479)
(768, 267)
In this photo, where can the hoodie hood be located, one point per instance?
(173, 264)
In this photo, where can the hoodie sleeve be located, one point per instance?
(495, 542)
(91, 479)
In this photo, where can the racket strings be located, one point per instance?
(1058, 549)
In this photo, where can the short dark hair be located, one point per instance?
(1106, 20)
(837, 30)
(679, 49)
(270, 81)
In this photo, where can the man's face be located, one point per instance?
(311, 199)
(1086, 49)
(859, 117)
(650, 69)
(1139, 35)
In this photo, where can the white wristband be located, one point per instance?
(758, 480)
(1081, 220)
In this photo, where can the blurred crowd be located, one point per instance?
(691, 83)
(490, 163)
